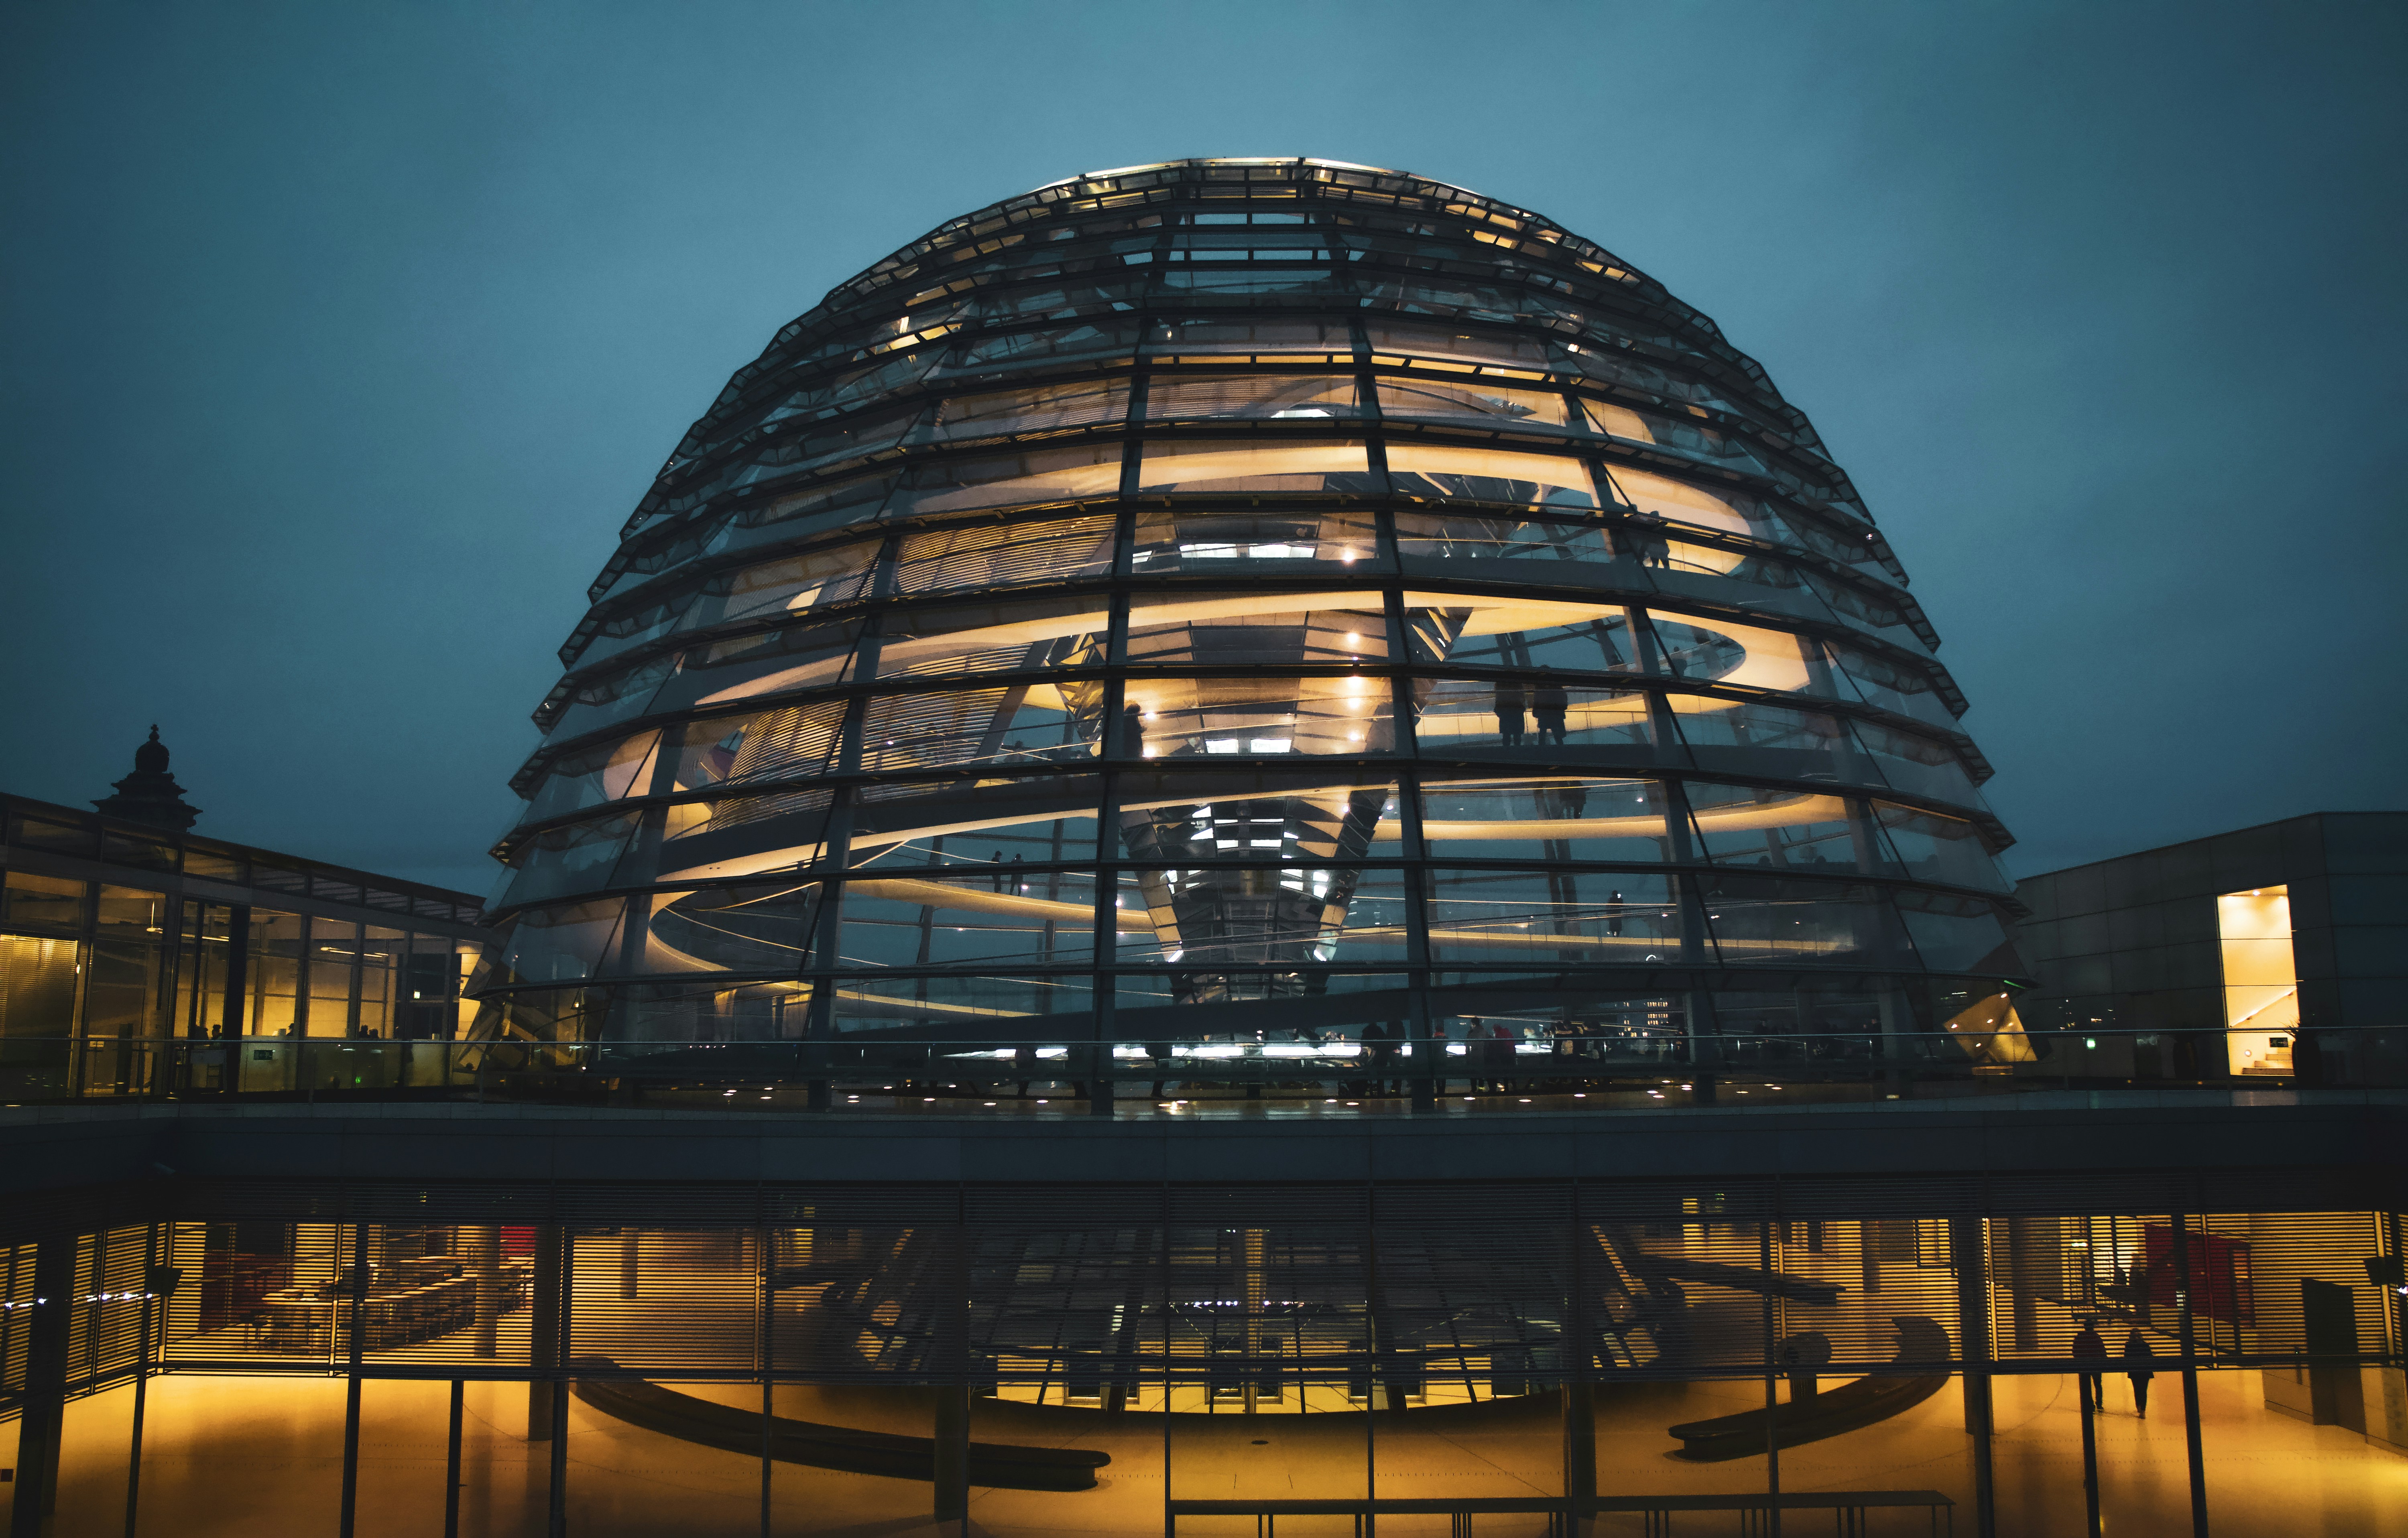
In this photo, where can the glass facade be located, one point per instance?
(137, 961)
(1522, 1359)
(1235, 600)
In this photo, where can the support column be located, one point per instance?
(543, 1343)
(2089, 1454)
(1579, 1394)
(154, 1275)
(951, 1362)
(45, 1395)
(1973, 1348)
(2193, 1444)
(452, 1460)
(556, 1488)
(1771, 1385)
(356, 1287)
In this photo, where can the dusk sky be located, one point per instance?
(337, 341)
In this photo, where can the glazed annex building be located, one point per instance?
(1241, 847)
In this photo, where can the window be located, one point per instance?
(2261, 981)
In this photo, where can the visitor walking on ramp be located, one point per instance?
(2137, 1361)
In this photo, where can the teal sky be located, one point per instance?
(337, 341)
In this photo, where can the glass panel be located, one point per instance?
(1957, 933)
(276, 940)
(1757, 920)
(990, 558)
(730, 837)
(1017, 636)
(576, 857)
(1472, 537)
(1466, 715)
(617, 695)
(1679, 502)
(1868, 611)
(793, 515)
(2261, 979)
(1705, 652)
(1295, 396)
(1238, 934)
(1516, 632)
(1038, 408)
(1042, 918)
(333, 957)
(1489, 475)
(767, 745)
(1562, 916)
(1184, 717)
(560, 944)
(1919, 764)
(1264, 340)
(382, 955)
(1276, 464)
(1891, 685)
(824, 442)
(769, 589)
(974, 1008)
(596, 775)
(791, 585)
(49, 901)
(130, 907)
(1932, 847)
(1784, 831)
(1029, 724)
(1545, 820)
(747, 666)
(756, 929)
(1226, 630)
(1002, 822)
(1179, 539)
(120, 1002)
(1197, 816)
(1397, 344)
(1743, 736)
(1001, 479)
(1489, 405)
(1020, 349)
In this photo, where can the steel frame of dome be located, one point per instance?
(1356, 599)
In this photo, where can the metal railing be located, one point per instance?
(1300, 1067)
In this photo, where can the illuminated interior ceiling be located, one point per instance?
(1231, 581)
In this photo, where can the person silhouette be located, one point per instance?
(2137, 1361)
(1511, 703)
(1548, 704)
(2088, 1349)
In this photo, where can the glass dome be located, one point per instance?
(1239, 601)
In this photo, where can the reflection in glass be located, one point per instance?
(1268, 464)
(1288, 397)
(1545, 819)
(1206, 542)
(1255, 718)
(1489, 475)
(1562, 916)
(1528, 714)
